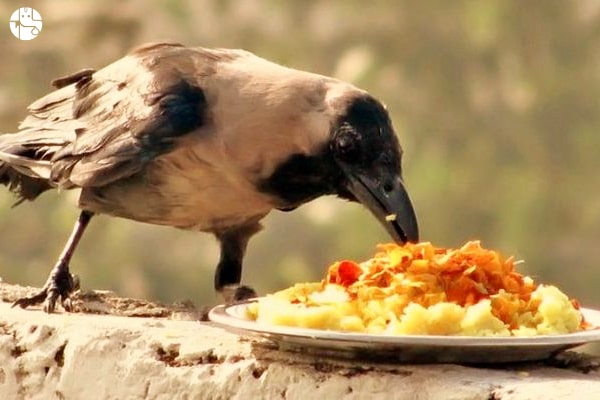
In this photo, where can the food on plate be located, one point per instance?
(420, 289)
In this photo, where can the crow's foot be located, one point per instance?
(234, 294)
(60, 284)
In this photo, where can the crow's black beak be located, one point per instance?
(388, 200)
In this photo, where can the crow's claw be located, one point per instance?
(60, 284)
(234, 294)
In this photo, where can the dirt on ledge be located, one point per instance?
(109, 303)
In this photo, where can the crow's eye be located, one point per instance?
(347, 146)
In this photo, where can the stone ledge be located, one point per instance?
(154, 355)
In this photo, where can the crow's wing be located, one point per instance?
(101, 126)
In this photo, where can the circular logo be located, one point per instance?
(26, 23)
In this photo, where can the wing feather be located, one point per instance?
(101, 126)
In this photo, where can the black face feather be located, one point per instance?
(303, 178)
(364, 140)
(360, 163)
(362, 137)
(368, 152)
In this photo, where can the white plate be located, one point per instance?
(408, 348)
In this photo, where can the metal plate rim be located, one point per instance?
(230, 317)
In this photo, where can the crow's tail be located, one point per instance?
(23, 168)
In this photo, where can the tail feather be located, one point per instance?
(26, 156)
(24, 186)
(23, 169)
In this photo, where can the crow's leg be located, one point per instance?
(229, 269)
(60, 282)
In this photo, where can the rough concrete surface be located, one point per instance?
(103, 352)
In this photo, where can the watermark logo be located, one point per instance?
(26, 23)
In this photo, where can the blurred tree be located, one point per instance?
(496, 104)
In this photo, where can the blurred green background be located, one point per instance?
(497, 105)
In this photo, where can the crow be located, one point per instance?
(207, 140)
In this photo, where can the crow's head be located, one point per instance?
(360, 161)
(366, 150)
